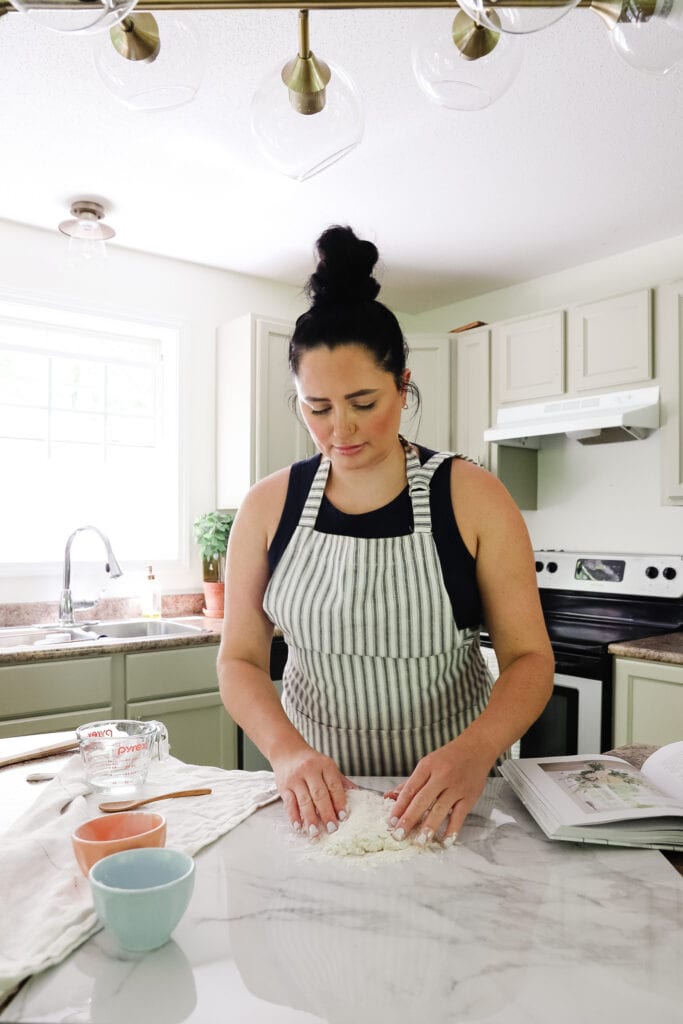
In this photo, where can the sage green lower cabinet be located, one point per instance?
(53, 696)
(648, 702)
(179, 687)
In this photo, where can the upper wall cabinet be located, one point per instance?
(670, 375)
(257, 430)
(609, 342)
(528, 358)
(429, 362)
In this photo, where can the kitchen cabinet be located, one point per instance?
(257, 431)
(528, 358)
(648, 697)
(51, 696)
(609, 343)
(472, 389)
(180, 689)
(429, 360)
(670, 374)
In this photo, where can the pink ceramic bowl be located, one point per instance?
(128, 830)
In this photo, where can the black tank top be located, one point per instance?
(392, 520)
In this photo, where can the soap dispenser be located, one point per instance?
(151, 597)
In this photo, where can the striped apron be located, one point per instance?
(378, 673)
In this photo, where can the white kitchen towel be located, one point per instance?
(46, 907)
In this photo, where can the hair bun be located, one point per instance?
(344, 271)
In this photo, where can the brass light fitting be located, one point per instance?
(473, 40)
(305, 76)
(137, 38)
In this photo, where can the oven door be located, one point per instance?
(571, 722)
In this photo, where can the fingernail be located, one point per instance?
(393, 822)
(313, 830)
(450, 840)
(331, 827)
(424, 837)
(296, 826)
(400, 834)
(342, 815)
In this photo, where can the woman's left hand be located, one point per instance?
(441, 792)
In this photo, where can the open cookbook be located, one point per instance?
(603, 799)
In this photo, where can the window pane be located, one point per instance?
(23, 423)
(131, 390)
(23, 378)
(76, 426)
(77, 384)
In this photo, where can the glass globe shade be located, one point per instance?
(515, 20)
(448, 78)
(654, 45)
(96, 17)
(169, 80)
(302, 145)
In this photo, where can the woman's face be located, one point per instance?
(351, 407)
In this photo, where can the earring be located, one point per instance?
(405, 405)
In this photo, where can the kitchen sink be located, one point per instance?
(54, 635)
(127, 629)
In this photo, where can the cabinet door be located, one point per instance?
(648, 697)
(200, 731)
(670, 374)
(51, 687)
(473, 394)
(610, 342)
(528, 358)
(429, 363)
(257, 430)
(173, 673)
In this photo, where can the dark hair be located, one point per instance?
(344, 308)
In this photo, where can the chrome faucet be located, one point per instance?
(112, 567)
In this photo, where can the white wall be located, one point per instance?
(603, 497)
(32, 266)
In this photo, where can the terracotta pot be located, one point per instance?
(214, 596)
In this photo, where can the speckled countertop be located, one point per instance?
(667, 648)
(210, 634)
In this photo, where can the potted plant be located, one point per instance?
(211, 532)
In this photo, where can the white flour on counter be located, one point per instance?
(365, 835)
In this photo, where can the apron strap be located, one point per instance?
(309, 513)
(419, 479)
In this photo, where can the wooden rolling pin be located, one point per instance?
(36, 755)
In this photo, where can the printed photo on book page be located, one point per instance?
(596, 786)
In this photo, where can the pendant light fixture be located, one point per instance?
(462, 65)
(87, 233)
(79, 18)
(306, 115)
(517, 19)
(648, 35)
(151, 62)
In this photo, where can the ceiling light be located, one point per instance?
(87, 233)
(81, 18)
(649, 35)
(462, 65)
(152, 63)
(517, 18)
(306, 115)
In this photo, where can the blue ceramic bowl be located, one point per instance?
(141, 895)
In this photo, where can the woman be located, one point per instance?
(379, 560)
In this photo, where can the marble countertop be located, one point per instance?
(504, 928)
(667, 648)
(210, 633)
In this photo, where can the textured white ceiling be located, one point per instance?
(582, 158)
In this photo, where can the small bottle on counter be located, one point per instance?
(151, 597)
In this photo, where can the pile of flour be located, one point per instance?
(365, 833)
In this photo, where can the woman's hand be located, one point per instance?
(313, 790)
(441, 792)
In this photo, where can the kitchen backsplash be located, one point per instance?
(31, 613)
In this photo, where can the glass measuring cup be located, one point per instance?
(116, 755)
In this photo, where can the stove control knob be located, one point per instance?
(669, 573)
(552, 566)
(652, 572)
(539, 566)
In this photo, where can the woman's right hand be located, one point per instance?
(312, 788)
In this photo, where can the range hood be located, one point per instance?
(593, 419)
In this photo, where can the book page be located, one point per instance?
(586, 790)
(665, 769)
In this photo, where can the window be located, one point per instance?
(88, 435)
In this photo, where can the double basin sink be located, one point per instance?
(54, 635)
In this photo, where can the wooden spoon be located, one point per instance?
(128, 805)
